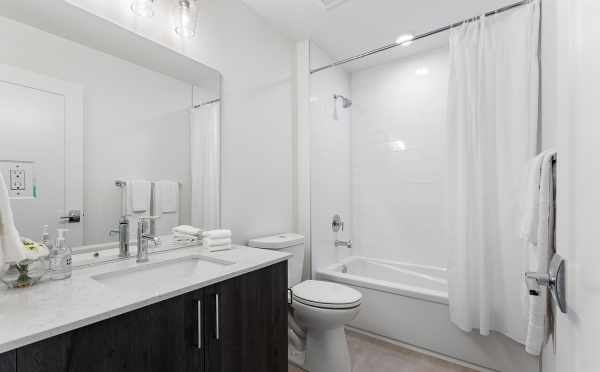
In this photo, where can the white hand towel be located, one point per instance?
(187, 230)
(217, 234)
(541, 253)
(216, 245)
(167, 195)
(218, 248)
(165, 203)
(529, 222)
(138, 195)
(209, 242)
(185, 238)
(11, 248)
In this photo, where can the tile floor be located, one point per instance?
(371, 355)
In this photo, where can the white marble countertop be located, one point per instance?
(54, 307)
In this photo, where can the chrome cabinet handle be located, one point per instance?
(217, 335)
(199, 324)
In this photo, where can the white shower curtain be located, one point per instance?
(206, 165)
(492, 134)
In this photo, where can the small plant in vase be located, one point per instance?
(29, 271)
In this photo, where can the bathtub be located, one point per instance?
(408, 304)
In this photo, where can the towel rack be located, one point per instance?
(121, 183)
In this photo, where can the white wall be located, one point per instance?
(258, 106)
(398, 139)
(330, 178)
(137, 120)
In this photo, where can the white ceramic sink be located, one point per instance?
(151, 275)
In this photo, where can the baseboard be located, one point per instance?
(421, 350)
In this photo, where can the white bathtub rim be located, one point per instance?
(330, 273)
(390, 262)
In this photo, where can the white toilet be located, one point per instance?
(318, 311)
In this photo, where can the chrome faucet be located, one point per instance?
(342, 243)
(123, 233)
(143, 238)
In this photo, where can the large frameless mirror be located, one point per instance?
(104, 126)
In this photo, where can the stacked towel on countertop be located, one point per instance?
(217, 240)
(537, 230)
(187, 234)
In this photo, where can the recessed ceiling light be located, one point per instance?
(143, 8)
(422, 71)
(405, 39)
(398, 146)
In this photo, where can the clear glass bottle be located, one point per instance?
(46, 238)
(60, 258)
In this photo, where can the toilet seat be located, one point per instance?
(326, 295)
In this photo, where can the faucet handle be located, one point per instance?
(148, 218)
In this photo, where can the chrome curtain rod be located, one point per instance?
(207, 103)
(417, 37)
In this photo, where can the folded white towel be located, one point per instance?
(166, 196)
(541, 253)
(187, 230)
(529, 222)
(209, 242)
(138, 196)
(218, 248)
(184, 238)
(217, 234)
(11, 248)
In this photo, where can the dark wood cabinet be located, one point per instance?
(156, 338)
(247, 324)
(8, 362)
(235, 326)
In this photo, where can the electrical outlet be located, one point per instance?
(19, 178)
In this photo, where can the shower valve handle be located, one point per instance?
(337, 223)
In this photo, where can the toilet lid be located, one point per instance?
(326, 295)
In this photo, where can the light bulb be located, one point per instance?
(143, 8)
(187, 18)
(422, 71)
(405, 39)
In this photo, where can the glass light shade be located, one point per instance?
(405, 39)
(187, 18)
(143, 8)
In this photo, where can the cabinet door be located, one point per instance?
(246, 322)
(157, 338)
(8, 361)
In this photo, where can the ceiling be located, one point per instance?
(63, 19)
(354, 26)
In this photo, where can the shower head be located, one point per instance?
(346, 102)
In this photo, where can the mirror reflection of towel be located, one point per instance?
(138, 196)
(165, 204)
(11, 248)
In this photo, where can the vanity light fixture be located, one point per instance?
(187, 17)
(143, 8)
(405, 39)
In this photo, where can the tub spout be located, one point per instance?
(342, 243)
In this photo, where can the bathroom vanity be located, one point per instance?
(228, 315)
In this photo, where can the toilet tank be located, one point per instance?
(290, 243)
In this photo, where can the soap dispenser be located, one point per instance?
(60, 257)
(46, 238)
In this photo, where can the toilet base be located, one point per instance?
(327, 351)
